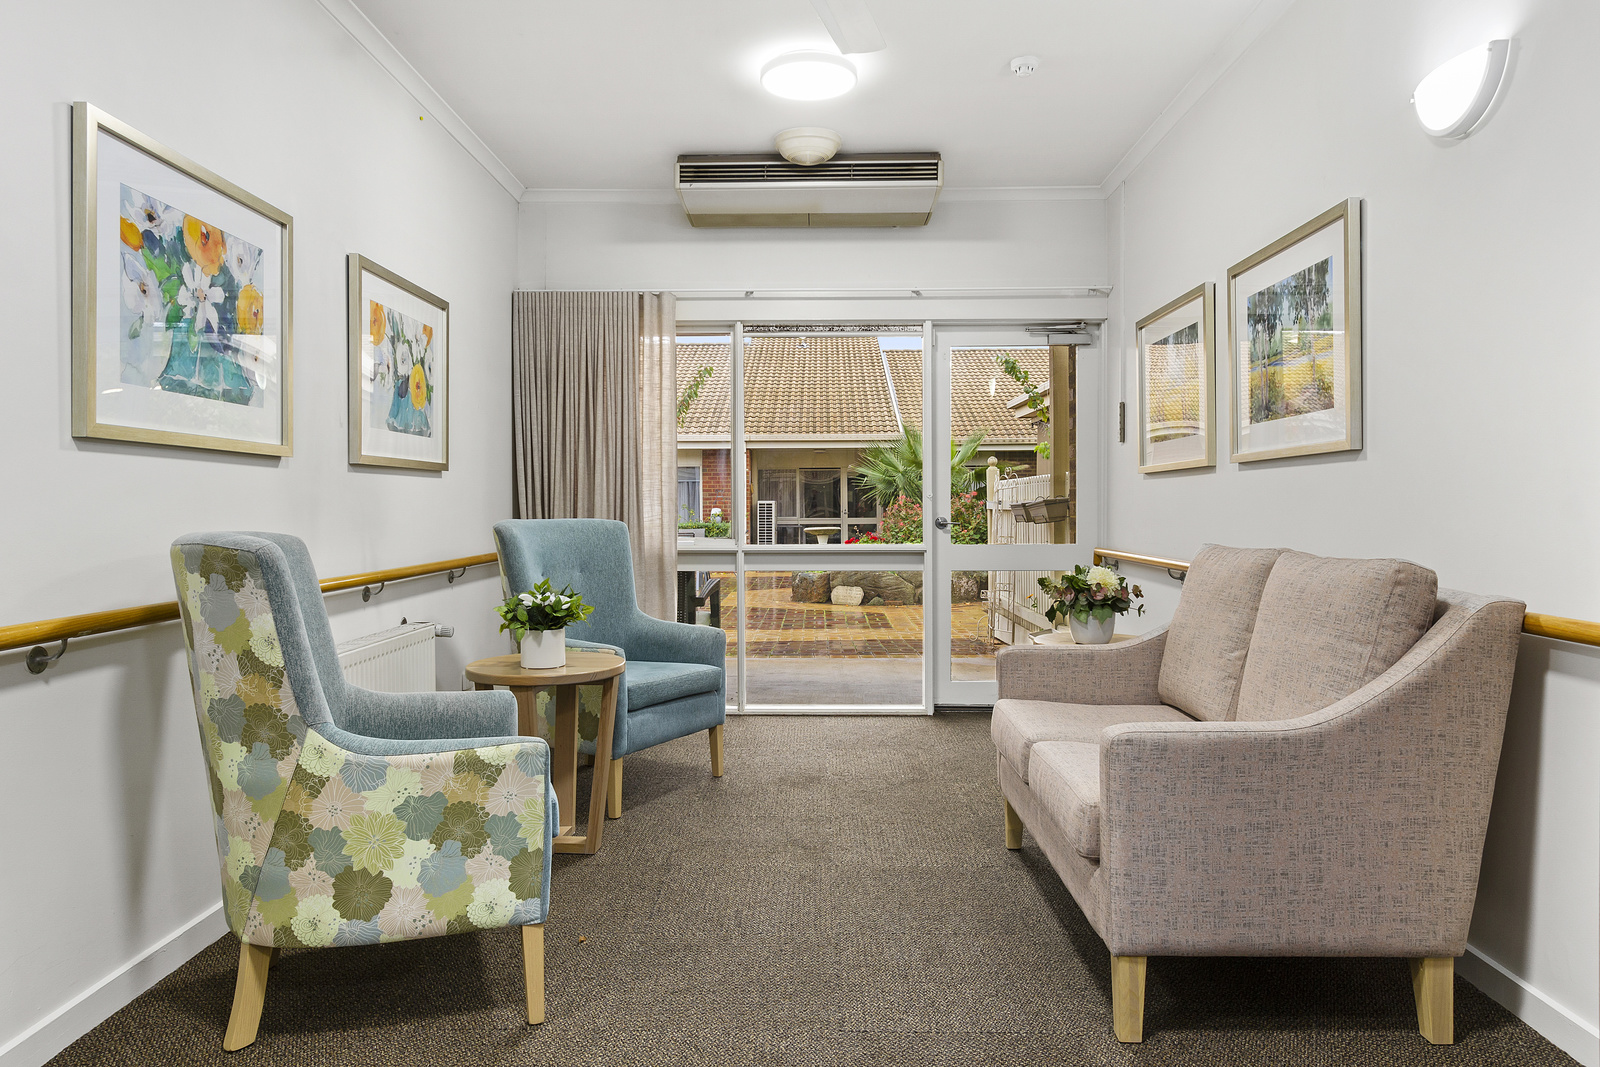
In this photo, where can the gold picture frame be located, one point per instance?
(1301, 292)
(1177, 383)
(182, 299)
(399, 355)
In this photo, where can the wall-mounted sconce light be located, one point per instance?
(1452, 101)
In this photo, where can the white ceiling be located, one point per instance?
(604, 94)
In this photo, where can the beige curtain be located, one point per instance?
(655, 537)
(594, 423)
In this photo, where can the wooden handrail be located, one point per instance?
(1101, 554)
(1582, 631)
(24, 634)
(1579, 631)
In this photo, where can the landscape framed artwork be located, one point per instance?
(182, 306)
(399, 371)
(1295, 313)
(1177, 383)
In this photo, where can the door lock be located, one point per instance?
(942, 523)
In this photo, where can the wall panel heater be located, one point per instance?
(398, 660)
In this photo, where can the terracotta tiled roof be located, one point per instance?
(974, 409)
(817, 386)
(710, 413)
(835, 387)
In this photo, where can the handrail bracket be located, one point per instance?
(39, 657)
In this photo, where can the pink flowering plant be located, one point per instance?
(542, 608)
(1088, 593)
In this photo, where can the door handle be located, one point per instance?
(942, 523)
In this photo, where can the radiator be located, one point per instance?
(391, 661)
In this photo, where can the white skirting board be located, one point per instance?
(1566, 1031)
(41, 1041)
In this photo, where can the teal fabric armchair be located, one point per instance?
(676, 679)
(344, 816)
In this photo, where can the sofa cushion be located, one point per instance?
(1329, 626)
(1066, 783)
(1210, 631)
(656, 683)
(1020, 724)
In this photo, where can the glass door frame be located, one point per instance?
(946, 557)
(741, 557)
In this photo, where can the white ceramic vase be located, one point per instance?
(1093, 632)
(544, 649)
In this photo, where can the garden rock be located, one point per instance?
(847, 595)
(892, 587)
(809, 587)
(967, 587)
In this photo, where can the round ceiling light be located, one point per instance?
(1452, 101)
(808, 75)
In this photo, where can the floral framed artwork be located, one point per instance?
(1295, 313)
(399, 371)
(182, 302)
(1177, 383)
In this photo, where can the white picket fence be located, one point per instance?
(1011, 616)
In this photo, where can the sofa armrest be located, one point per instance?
(1354, 830)
(424, 716)
(1121, 673)
(656, 640)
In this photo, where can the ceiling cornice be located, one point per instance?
(381, 49)
(1260, 19)
(598, 196)
(1024, 192)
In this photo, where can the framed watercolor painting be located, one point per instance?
(399, 371)
(1177, 383)
(1295, 312)
(182, 309)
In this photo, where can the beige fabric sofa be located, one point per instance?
(1301, 763)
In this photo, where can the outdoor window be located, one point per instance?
(821, 486)
(811, 504)
(688, 494)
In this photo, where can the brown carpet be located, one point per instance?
(842, 896)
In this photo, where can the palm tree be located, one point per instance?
(895, 470)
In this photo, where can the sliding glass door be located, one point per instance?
(807, 443)
(858, 534)
(995, 395)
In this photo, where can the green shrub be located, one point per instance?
(969, 521)
(712, 530)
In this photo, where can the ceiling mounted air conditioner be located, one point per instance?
(887, 189)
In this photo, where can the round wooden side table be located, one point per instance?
(584, 667)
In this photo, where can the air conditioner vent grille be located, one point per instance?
(835, 170)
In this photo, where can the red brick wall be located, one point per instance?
(716, 483)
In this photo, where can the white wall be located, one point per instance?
(1481, 285)
(106, 806)
(969, 244)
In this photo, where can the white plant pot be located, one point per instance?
(544, 649)
(1093, 632)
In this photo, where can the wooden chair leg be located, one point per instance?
(249, 992)
(1013, 826)
(533, 971)
(716, 750)
(1433, 983)
(1127, 997)
(614, 791)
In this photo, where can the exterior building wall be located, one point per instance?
(716, 482)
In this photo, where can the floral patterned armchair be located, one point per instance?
(345, 816)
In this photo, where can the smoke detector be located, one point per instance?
(1023, 66)
(808, 145)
